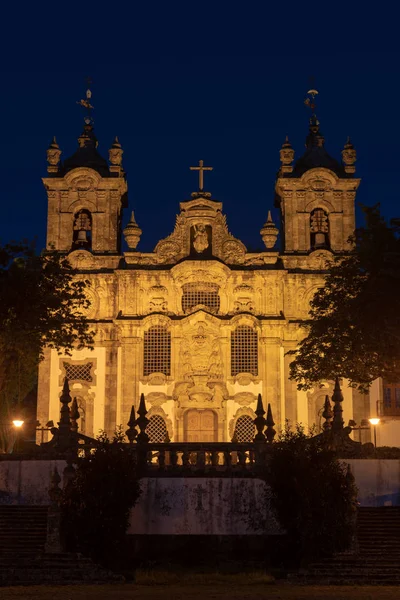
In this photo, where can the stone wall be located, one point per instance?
(378, 481)
(27, 481)
(198, 505)
(203, 506)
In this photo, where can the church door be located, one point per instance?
(201, 426)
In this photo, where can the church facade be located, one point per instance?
(200, 325)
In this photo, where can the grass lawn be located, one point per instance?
(203, 590)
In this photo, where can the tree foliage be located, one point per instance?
(313, 495)
(41, 305)
(354, 325)
(97, 502)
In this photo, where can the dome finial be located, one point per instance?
(349, 157)
(53, 156)
(286, 155)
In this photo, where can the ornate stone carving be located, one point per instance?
(319, 184)
(200, 354)
(167, 251)
(157, 298)
(82, 259)
(233, 252)
(156, 399)
(244, 398)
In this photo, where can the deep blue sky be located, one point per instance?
(178, 82)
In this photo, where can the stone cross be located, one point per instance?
(200, 169)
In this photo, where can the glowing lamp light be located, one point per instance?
(374, 421)
(18, 423)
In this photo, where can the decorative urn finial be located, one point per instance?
(53, 156)
(286, 154)
(349, 157)
(132, 233)
(115, 156)
(269, 232)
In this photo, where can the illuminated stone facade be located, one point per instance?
(200, 325)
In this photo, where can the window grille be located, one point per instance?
(244, 429)
(75, 372)
(244, 351)
(156, 429)
(200, 293)
(157, 351)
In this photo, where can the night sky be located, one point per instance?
(178, 82)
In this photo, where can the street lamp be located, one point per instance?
(18, 423)
(374, 421)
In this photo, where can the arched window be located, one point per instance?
(244, 350)
(82, 237)
(319, 229)
(157, 351)
(203, 294)
(157, 429)
(244, 429)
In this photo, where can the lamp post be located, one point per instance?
(374, 421)
(18, 423)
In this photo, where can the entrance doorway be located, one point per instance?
(200, 426)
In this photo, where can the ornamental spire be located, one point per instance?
(314, 138)
(87, 137)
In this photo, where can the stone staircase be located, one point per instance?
(22, 530)
(377, 560)
(23, 560)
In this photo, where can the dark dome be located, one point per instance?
(317, 156)
(87, 155)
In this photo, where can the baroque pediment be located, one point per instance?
(200, 232)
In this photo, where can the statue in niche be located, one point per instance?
(200, 238)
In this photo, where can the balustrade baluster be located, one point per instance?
(161, 460)
(227, 459)
(186, 459)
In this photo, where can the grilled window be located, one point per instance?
(244, 429)
(195, 294)
(74, 372)
(244, 351)
(157, 351)
(156, 429)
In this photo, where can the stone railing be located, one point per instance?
(194, 459)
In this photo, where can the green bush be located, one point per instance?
(97, 502)
(313, 495)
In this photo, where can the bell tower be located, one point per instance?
(316, 193)
(86, 194)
